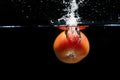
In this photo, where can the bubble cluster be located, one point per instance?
(89, 11)
(71, 18)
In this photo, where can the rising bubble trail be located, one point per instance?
(72, 17)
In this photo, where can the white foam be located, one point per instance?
(72, 17)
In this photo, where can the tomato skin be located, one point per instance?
(80, 27)
(71, 52)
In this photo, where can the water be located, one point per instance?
(67, 12)
(88, 12)
(72, 17)
(19, 14)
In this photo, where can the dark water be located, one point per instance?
(30, 45)
(33, 46)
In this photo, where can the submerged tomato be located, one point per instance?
(71, 51)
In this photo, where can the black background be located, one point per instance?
(33, 46)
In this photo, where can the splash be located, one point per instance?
(72, 17)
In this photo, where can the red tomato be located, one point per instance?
(71, 51)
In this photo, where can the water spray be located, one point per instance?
(72, 18)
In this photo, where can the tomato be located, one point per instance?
(80, 27)
(70, 49)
